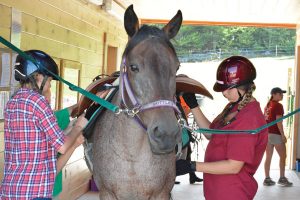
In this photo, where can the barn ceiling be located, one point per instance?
(218, 11)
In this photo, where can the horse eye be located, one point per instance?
(134, 68)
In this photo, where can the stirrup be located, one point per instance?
(179, 150)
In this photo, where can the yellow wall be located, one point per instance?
(5, 22)
(68, 30)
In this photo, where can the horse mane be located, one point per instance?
(146, 32)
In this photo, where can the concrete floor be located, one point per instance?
(186, 191)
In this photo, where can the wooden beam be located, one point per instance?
(210, 23)
(104, 56)
(120, 4)
(295, 137)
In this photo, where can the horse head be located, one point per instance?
(149, 67)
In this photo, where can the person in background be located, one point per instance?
(185, 110)
(273, 111)
(31, 134)
(231, 160)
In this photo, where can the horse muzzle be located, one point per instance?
(163, 139)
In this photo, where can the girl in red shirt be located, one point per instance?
(231, 160)
(274, 110)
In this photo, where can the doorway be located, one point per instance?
(112, 53)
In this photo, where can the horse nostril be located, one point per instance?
(156, 133)
(161, 132)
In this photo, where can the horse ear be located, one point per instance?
(172, 28)
(131, 22)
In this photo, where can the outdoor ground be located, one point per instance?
(186, 191)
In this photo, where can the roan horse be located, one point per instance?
(136, 160)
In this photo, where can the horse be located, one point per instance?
(133, 153)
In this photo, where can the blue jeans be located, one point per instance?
(41, 198)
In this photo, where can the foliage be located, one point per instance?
(196, 43)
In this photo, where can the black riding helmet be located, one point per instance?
(24, 69)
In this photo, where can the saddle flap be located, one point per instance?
(186, 84)
(85, 102)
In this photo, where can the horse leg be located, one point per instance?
(162, 196)
(106, 195)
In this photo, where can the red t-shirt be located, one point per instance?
(245, 147)
(273, 109)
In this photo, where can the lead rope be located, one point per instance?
(250, 131)
(91, 96)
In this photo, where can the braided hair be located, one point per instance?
(226, 117)
(247, 96)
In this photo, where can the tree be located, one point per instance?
(248, 41)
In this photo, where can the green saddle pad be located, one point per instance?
(185, 137)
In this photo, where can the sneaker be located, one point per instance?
(283, 181)
(268, 182)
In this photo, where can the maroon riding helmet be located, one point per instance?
(234, 72)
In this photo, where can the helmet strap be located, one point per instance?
(229, 117)
(240, 97)
(34, 84)
(43, 83)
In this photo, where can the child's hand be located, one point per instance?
(79, 141)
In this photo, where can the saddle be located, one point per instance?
(183, 84)
(187, 84)
(85, 102)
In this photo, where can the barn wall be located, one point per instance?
(70, 31)
(5, 24)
